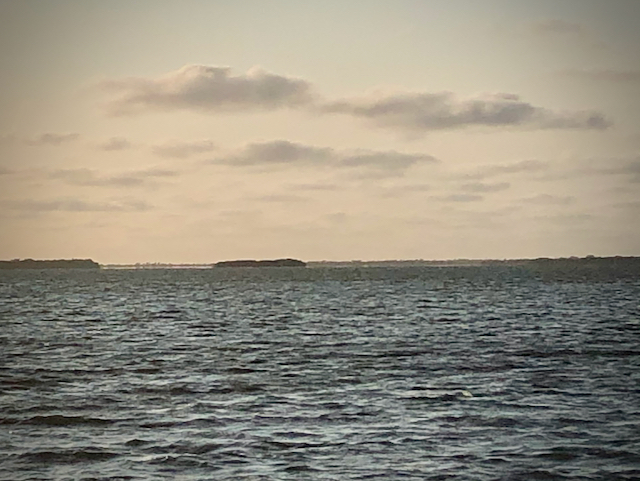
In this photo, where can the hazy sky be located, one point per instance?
(197, 131)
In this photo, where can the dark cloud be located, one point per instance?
(77, 205)
(87, 177)
(284, 152)
(115, 143)
(52, 139)
(607, 75)
(209, 89)
(422, 112)
(480, 187)
(182, 150)
(277, 152)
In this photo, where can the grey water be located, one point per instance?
(416, 373)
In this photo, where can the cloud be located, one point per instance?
(421, 112)
(386, 160)
(547, 199)
(182, 150)
(459, 198)
(211, 89)
(629, 166)
(401, 190)
(565, 219)
(115, 143)
(7, 139)
(556, 26)
(314, 187)
(523, 166)
(607, 75)
(622, 166)
(51, 139)
(555, 29)
(284, 198)
(78, 205)
(87, 177)
(277, 152)
(284, 152)
(207, 89)
(481, 187)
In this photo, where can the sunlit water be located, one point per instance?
(318, 374)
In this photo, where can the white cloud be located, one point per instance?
(208, 89)
(421, 112)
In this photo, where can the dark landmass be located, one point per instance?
(268, 263)
(566, 262)
(156, 265)
(565, 267)
(49, 264)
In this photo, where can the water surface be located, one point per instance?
(479, 373)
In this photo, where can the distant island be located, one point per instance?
(49, 264)
(267, 263)
(614, 266)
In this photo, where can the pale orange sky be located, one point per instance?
(198, 131)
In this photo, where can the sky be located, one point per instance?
(200, 131)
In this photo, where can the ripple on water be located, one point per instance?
(320, 374)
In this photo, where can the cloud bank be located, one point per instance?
(210, 89)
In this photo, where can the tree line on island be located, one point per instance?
(615, 265)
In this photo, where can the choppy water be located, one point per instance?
(318, 374)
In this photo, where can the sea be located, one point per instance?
(375, 373)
